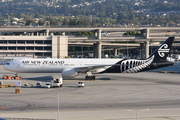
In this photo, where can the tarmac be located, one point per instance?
(107, 98)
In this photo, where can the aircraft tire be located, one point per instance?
(87, 77)
(90, 78)
(93, 77)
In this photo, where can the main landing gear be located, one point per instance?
(90, 76)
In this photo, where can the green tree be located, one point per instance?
(121, 16)
(41, 22)
(29, 21)
(37, 15)
(20, 15)
(54, 22)
(65, 22)
(72, 22)
(42, 10)
(130, 14)
(65, 8)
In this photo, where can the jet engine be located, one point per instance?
(69, 73)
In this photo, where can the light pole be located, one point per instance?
(3, 48)
(81, 51)
(127, 50)
(58, 107)
(137, 112)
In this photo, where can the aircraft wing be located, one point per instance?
(95, 68)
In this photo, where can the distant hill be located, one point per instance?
(100, 12)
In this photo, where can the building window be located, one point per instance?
(29, 48)
(47, 54)
(47, 48)
(47, 42)
(21, 42)
(39, 54)
(12, 48)
(1, 42)
(1, 48)
(38, 42)
(30, 42)
(12, 41)
(20, 48)
(38, 48)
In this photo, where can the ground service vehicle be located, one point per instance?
(57, 82)
(11, 77)
(28, 85)
(38, 84)
(48, 85)
(81, 84)
(1, 83)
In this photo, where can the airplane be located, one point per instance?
(69, 68)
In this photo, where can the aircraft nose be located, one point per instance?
(5, 66)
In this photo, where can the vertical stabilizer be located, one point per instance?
(161, 53)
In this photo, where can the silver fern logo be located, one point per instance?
(134, 66)
(163, 49)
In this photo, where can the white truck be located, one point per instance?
(57, 82)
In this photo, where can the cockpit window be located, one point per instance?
(7, 64)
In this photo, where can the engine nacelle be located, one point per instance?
(69, 73)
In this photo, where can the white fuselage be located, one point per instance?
(54, 65)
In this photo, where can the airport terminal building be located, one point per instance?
(39, 42)
(33, 46)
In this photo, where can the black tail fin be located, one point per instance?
(161, 53)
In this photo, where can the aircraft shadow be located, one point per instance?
(82, 79)
(43, 78)
(105, 79)
(49, 78)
